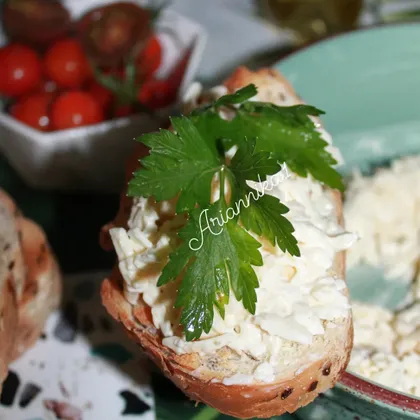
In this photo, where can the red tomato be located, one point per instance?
(20, 70)
(149, 59)
(33, 110)
(156, 94)
(74, 109)
(66, 64)
(101, 94)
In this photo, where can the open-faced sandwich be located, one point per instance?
(230, 245)
(30, 282)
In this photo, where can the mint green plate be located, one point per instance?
(368, 83)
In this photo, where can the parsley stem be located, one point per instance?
(222, 183)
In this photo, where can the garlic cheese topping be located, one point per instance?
(387, 346)
(298, 297)
(389, 233)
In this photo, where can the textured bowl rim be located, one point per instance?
(364, 388)
(350, 32)
(371, 390)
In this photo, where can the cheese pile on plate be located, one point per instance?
(384, 210)
(387, 346)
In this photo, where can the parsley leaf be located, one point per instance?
(181, 163)
(221, 255)
(291, 135)
(213, 128)
(243, 277)
(286, 132)
(241, 95)
(250, 165)
(217, 253)
(259, 212)
(264, 217)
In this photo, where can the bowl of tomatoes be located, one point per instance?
(79, 80)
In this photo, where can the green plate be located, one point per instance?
(368, 83)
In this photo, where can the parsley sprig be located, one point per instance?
(216, 257)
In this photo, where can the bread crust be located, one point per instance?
(33, 287)
(12, 254)
(244, 401)
(42, 291)
(12, 275)
(8, 325)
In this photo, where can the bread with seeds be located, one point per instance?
(12, 273)
(30, 279)
(235, 381)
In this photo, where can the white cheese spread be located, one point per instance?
(295, 294)
(389, 233)
(386, 344)
(297, 299)
(384, 351)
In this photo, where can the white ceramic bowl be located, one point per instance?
(93, 157)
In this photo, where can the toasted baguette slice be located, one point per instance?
(11, 270)
(42, 291)
(36, 278)
(200, 377)
(11, 236)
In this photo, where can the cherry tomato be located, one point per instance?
(20, 70)
(66, 64)
(110, 33)
(149, 59)
(74, 109)
(156, 94)
(35, 22)
(101, 94)
(33, 110)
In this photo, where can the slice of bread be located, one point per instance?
(30, 281)
(12, 253)
(314, 367)
(42, 290)
(11, 271)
